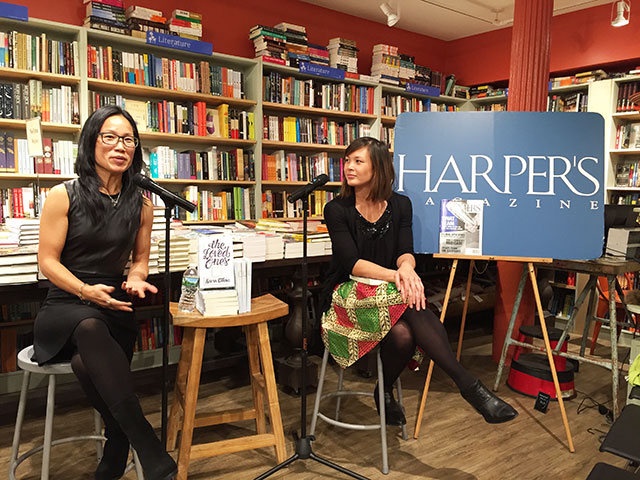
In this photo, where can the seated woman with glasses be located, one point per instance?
(89, 228)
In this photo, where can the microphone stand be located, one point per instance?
(168, 206)
(303, 442)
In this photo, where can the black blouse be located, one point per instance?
(354, 238)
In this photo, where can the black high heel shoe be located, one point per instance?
(487, 404)
(394, 415)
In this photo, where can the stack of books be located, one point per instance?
(254, 246)
(18, 265)
(422, 75)
(25, 230)
(142, 20)
(186, 24)
(270, 44)
(343, 54)
(217, 302)
(407, 71)
(108, 15)
(385, 64)
(296, 43)
(179, 253)
(274, 245)
(319, 54)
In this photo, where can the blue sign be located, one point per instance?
(14, 12)
(180, 43)
(423, 89)
(540, 177)
(321, 70)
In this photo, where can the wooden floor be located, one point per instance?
(455, 443)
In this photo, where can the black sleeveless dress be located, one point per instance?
(94, 254)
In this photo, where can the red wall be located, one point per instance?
(579, 40)
(226, 24)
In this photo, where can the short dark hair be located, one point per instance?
(384, 175)
(130, 198)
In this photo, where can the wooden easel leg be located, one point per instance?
(443, 313)
(552, 366)
(507, 337)
(173, 426)
(464, 310)
(190, 402)
(613, 331)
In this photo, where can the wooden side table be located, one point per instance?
(263, 384)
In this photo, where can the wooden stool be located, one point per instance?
(263, 384)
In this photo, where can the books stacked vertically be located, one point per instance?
(142, 20)
(407, 70)
(270, 44)
(18, 265)
(22, 101)
(242, 270)
(108, 15)
(343, 54)
(186, 24)
(42, 55)
(296, 43)
(179, 253)
(385, 64)
(25, 230)
(319, 54)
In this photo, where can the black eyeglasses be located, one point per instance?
(112, 139)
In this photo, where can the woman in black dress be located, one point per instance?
(88, 229)
(371, 236)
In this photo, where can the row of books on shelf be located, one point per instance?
(22, 101)
(151, 335)
(577, 79)
(625, 198)
(188, 118)
(574, 102)
(38, 53)
(387, 135)
(275, 204)
(59, 156)
(562, 303)
(627, 174)
(483, 91)
(107, 63)
(236, 203)
(625, 91)
(492, 107)
(628, 136)
(212, 164)
(13, 312)
(312, 130)
(22, 202)
(281, 166)
(316, 93)
(391, 67)
(394, 105)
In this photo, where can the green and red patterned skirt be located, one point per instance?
(359, 318)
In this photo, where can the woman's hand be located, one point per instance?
(138, 288)
(100, 294)
(410, 286)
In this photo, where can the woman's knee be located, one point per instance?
(90, 329)
(401, 336)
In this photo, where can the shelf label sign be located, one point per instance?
(34, 137)
(179, 43)
(422, 89)
(321, 70)
(14, 12)
(539, 176)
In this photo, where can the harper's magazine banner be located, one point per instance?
(539, 177)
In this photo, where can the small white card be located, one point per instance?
(34, 137)
(215, 261)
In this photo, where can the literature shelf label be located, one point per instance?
(321, 71)
(180, 43)
(423, 89)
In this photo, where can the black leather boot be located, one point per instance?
(492, 408)
(115, 453)
(157, 464)
(392, 410)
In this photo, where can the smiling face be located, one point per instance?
(358, 168)
(113, 159)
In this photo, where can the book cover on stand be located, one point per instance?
(461, 227)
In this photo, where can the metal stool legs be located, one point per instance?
(339, 393)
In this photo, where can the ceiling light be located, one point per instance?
(623, 13)
(392, 17)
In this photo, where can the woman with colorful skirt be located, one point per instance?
(372, 238)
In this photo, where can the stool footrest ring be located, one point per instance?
(350, 426)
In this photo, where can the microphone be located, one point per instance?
(308, 188)
(169, 198)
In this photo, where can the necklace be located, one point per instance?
(114, 201)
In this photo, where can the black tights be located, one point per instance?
(423, 329)
(102, 366)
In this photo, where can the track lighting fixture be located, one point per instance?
(392, 16)
(623, 13)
